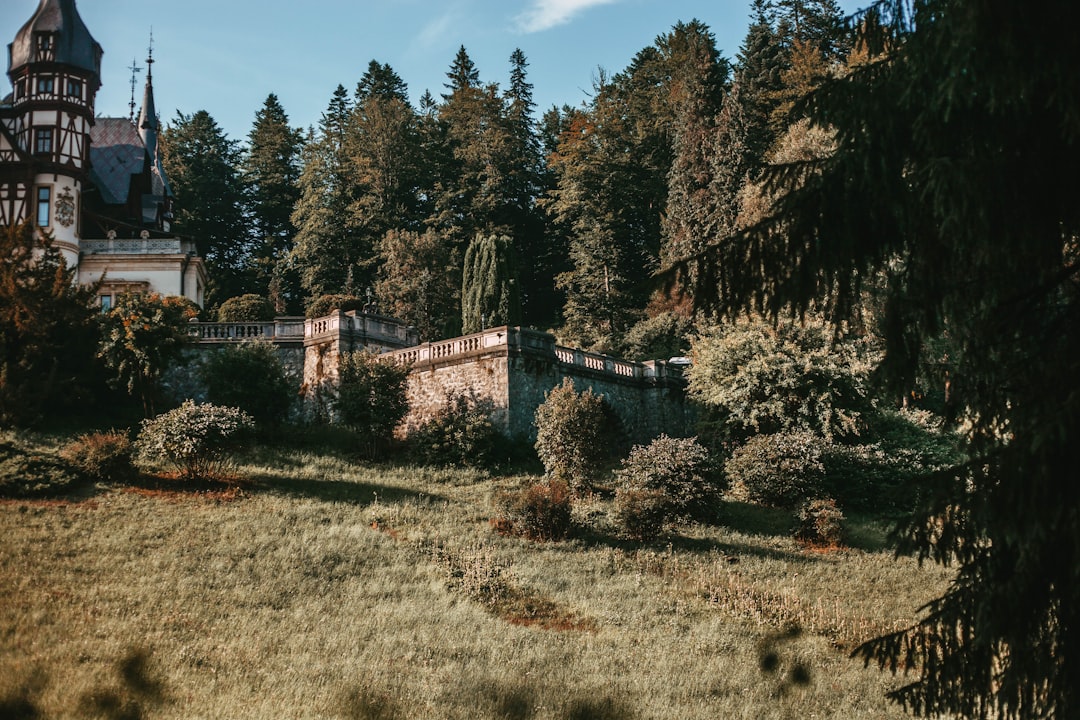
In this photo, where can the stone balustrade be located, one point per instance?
(515, 339)
(375, 330)
(136, 246)
(283, 329)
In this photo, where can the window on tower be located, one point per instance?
(74, 88)
(44, 46)
(45, 85)
(43, 141)
(44, 202)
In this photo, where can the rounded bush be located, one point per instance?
(820, 522)
(575, 435)
(326, 304)
(101, 455)
(246, 308)
(539, 512)
(782, 470)
(198, 440)
(28, 473)
(679, 468)
(461, 433)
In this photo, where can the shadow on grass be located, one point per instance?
(327, 490)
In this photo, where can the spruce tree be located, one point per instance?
(203, 165)
(326, 251)
(270, 172)
(954, 169)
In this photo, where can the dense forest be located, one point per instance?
(473, 209)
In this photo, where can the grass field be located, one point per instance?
(326, 589)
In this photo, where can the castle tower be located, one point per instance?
(54, 65)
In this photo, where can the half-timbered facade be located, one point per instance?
(95, 184)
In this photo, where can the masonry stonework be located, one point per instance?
(511, 367)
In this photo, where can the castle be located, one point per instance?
(96, 184)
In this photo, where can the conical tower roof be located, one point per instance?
(74, 46)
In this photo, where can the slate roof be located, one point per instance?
(116, 153)
(75, 45)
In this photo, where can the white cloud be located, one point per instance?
(544, 14)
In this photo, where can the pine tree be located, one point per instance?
(758, 73)
(202, 164)
(954, 168)
(462, 74)
(535, 250)
(326, 252)
(271, 170)
(383, 149)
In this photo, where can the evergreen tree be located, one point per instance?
(270, 173)
(203, 166)
(327, 252)
(47, 330)
(462, 75)
(416, 282)
(489, 289)
(956, 145)
(381, 81)
(384, 165)
(535, 251)
(758, 73)
(476, 193)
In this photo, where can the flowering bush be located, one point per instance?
(197, 439)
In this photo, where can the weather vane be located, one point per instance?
(135, 69)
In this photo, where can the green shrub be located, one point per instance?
(246, 308)
(752, 378)
(28, 473)
(781, 470)
(101, 455)
(539, 512)
(679, 468)
(326, 304)
(199, 440)
(641, 512)
(664, 336)
(371, 398)
(576, 434)
(249, 376)
(820, 522)
(461, 433)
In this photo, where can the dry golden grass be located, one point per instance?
(324, 589)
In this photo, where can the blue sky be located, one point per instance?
(226, 56)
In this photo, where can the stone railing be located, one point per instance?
(374, 329)
(136, 246)
(459, 347)
(599, 363)
(509, 339)
(282, 329)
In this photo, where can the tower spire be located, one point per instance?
(148, 120)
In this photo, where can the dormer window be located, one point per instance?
(45, 46)
(74, 88)
(45, 85)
